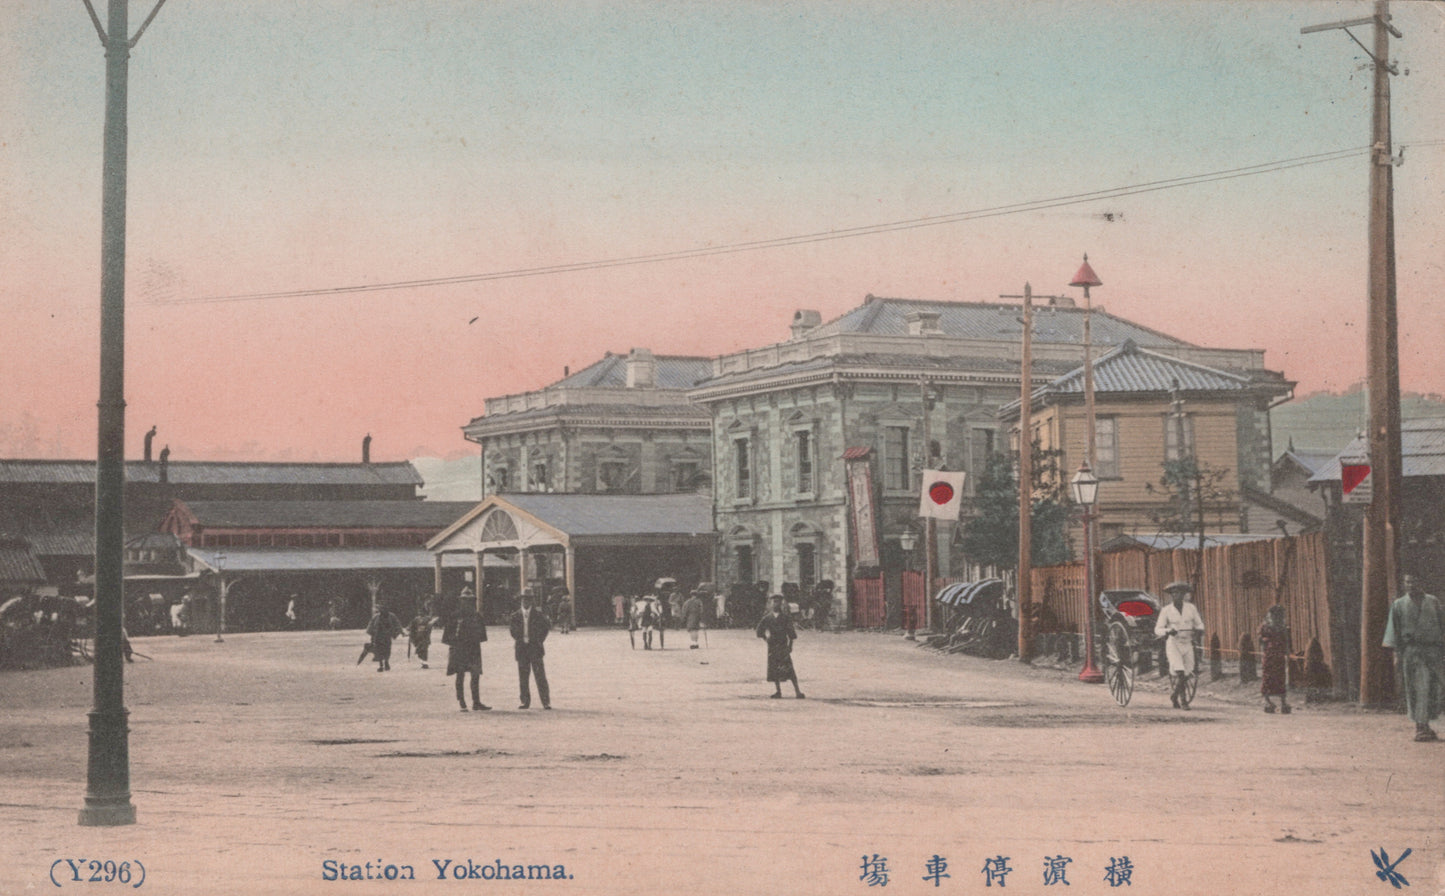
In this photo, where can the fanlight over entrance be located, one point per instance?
(499, 527)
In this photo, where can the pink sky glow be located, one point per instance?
(355, 143)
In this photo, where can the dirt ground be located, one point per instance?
(272, 762)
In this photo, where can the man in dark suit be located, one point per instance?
(529, 627)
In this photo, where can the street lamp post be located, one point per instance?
(908, 541)
(221, 606)
(1085, 487)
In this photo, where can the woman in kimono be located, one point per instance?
(1274, 651)
(777, 629)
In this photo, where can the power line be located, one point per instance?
(796, 240)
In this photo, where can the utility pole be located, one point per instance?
(107, 794)
(1379, 573)
(1026, 475)
(1026, 484)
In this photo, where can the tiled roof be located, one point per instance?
(1309, 461)
(1130, 368)
(1422, 451)
(79, 542)
(673, 372)
(961, 365)
(686, 514)
(996, 321)
(681, 408)
(215, 473)
(328, 514)
(18, 564)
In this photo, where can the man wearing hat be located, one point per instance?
(1181, 626)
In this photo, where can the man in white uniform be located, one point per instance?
(1182, 627)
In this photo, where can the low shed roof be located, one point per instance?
(239, 560)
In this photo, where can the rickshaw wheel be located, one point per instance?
(1121, 683)
(1191, 684)
(1119, 663)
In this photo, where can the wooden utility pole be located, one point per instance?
(1026, 484)
(1381, 553)
(1026, 475)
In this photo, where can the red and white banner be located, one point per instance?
(942, 496)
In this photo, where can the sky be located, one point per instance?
(283, 147)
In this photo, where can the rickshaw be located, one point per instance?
(1129, 616)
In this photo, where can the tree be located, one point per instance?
(992, 537)
(1190, 487)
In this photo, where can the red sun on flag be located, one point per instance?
(941, 495)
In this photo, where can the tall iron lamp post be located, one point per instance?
(1085, 483)
(107, 790)
(1085, 486)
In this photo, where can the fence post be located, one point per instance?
(1246, 660)
(1216, 661)
(1317, 674)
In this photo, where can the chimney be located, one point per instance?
(923, 323)
(165, 464)
(641, 369)
(803, 321)
(366, 449)
(150, 436)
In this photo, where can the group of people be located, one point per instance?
(463, 633)
(1414, 631)
(652, 614)
(1182, 627)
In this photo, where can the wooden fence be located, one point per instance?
(1237, 585)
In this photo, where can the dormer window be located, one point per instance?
(924, 323)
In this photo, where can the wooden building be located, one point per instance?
(1145, 401)
(324, 555)
(595, 546)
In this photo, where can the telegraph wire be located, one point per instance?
(798, 239)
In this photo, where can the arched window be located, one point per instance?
(499, 527)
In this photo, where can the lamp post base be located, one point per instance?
(1090, 675)
(107, 815)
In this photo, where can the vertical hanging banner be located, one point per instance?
(860, 501)
(942, 496)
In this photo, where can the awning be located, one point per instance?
(964, 593)
(321, 559)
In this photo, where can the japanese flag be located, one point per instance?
(942, 495)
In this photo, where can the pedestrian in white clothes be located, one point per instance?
(1182, 627)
